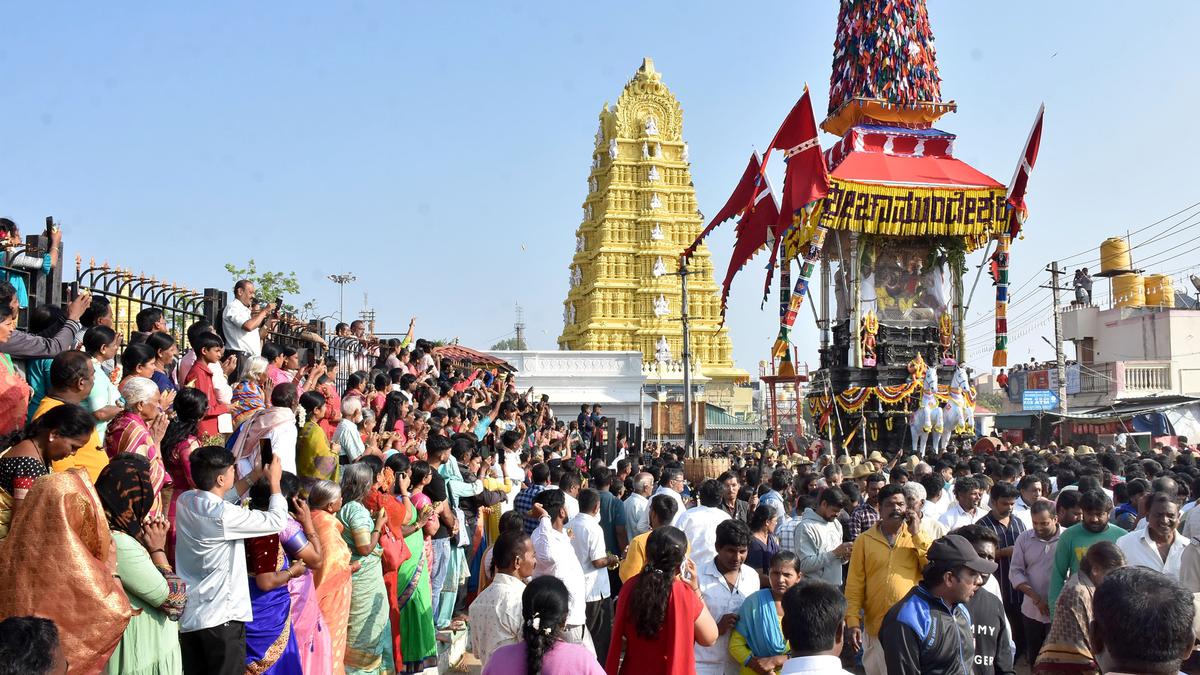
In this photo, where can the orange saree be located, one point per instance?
(332, 581)
(59, 562)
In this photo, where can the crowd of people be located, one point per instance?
(230, 510)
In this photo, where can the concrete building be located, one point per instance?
(1132, 352)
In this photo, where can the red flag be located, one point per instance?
(744, 194)
(753, 233)
(1020, 179)
(806, 178)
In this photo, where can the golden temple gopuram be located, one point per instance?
(639, 214)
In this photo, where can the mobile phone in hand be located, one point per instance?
(265, 452)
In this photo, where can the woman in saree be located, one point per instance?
(271, 646)
(301, 543)
(181, 438)
(315, 458)
(60, 536)
(326, 385)
(757, 641)
(403, 522)
(140, 430)
(368, 638)
(276, 423)
(332, 578)
(150, 643)
(54, 436)
(250, 393)
(414, 602)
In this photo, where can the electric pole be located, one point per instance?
(688, 444)
(1058, 342)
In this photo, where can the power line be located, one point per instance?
(1137, 231)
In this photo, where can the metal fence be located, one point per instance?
(129, 294)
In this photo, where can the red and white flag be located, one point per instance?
(755, 230)
(742, 199)
(1020, 180)
(806, 178)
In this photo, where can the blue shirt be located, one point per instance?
(524, 501)
(612, 514)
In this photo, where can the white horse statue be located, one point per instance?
(958, 415)
(927, 419)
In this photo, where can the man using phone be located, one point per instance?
(242, 323)
(210, 557)
(23, 345)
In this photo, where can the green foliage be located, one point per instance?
(507, 344)
(271, 285)
(993, 400)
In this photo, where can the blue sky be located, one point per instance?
(440, 151)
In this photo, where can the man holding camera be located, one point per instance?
(242, 321)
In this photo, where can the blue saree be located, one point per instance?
(270, 641)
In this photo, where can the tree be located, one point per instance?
(508, 344)
(272, 285)
(993, 400)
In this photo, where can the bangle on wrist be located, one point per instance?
(157, 550)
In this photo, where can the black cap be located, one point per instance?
(956, 550)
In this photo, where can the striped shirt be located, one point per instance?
(786, 531)
(524, 502)
(1008, 538)
(862, 519)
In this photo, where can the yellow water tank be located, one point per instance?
(1128, 290)
(1114, 255)
(1160, 291)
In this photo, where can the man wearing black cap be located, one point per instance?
(929, 631)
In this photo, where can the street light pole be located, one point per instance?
(689, 443)
(341, 280)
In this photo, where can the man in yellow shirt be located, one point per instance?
(885, 564)
(71, 377)
(661, 511)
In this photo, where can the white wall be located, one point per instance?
(571, 378)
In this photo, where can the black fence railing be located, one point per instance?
(129, 294)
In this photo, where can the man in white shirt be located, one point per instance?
(670, 483)
(936, 499)
(965, 509)
(812, 624)
(818, 539)
(241, 323)
(637, 502)
(699, 523)
(211, 558)
(590, 550)
(556, 557)
(495, 613)
(1031, 489)
(1158, 546)
(570, 484)
(725, 583)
